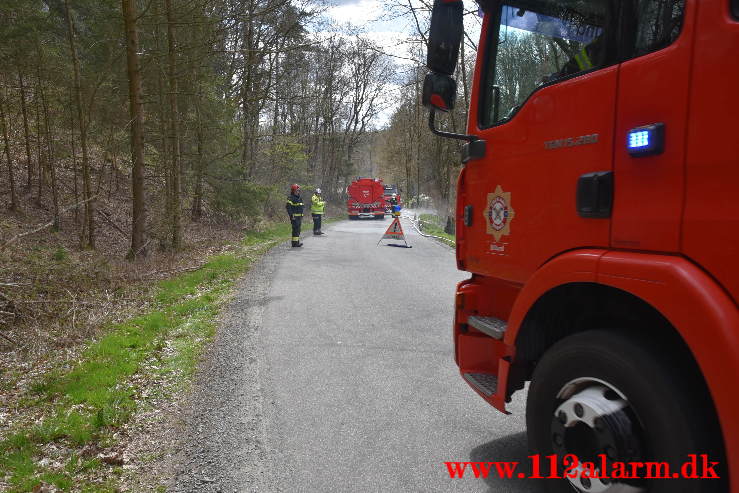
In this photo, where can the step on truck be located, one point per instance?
(598, 215)
(365, 199)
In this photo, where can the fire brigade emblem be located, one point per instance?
(499, 213)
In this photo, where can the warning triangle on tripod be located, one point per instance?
(394, 232)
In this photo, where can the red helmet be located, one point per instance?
(294, 188)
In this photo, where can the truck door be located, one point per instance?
(544, 102)
(652, 104)
(711, 217)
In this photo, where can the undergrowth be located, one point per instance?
(79, 409)
(431, 224)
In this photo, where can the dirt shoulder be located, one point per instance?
(85, 414)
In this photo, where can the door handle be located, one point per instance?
(595, 195)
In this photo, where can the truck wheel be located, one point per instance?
(605, 396)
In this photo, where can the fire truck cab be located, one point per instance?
(598, 215)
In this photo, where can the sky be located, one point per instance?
(373, 19)
(370, 16)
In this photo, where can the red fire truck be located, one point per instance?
(598, 215)
(365, 199)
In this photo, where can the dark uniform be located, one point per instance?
(294, 208)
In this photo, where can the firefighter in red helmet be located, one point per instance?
(295, 212)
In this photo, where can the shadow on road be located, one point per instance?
(510, 448)
(263, 302)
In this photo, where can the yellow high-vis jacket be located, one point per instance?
(317, 204)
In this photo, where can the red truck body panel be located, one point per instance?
(672, 238)
(366, 198)
(710, 228)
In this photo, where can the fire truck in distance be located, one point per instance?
(366, 198)
(598, 215)
(392, 197)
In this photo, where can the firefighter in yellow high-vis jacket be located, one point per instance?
(317, 208)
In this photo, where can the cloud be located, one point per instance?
(355, 12)
(336, 3)
(367, 17)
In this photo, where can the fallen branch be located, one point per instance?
(143, 247)
(43, 226)
(8, 339)
(104, 215)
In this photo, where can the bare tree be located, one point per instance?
(174, 128)
(135, 90)
(26, 132)
(13, 206)
(88, 240)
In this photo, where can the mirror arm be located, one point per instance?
(449, 135)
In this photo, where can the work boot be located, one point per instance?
(316, 233)
(297, 244)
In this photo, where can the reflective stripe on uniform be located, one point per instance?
(583, 60)
(296, 238)
(294, 203)
(296, 215)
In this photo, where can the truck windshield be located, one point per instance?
(540, 42)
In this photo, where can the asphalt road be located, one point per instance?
(333, 371)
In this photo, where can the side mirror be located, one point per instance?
(439, 91)
(445, 36)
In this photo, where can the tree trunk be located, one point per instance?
(27, 134)
(136, 107)
(89, 240)
(74, 160)
(163, 127)
(465, 90)
(51, 165)
(174, 130)
(248, 99)
(419, 129)
(11, 179)
(39, 158)
(197, 202)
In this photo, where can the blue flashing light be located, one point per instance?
(638, 139)
(647, 140)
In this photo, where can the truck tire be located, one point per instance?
(604, 393)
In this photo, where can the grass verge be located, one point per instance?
(432, 224)
(75, 413)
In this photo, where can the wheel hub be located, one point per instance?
(595, 422)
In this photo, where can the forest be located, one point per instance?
(135, 129)
(142, 139)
